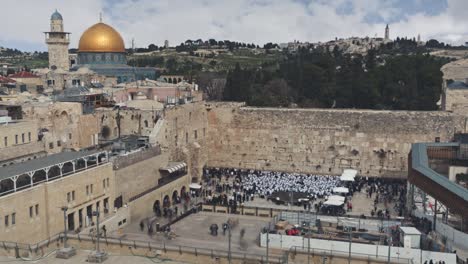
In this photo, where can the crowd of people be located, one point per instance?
(231, 187)
(247, 183)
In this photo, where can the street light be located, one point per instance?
(97, 256)
(64, 209)
(65, 252)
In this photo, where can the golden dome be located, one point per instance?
(101, 38)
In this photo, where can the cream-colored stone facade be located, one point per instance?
(67, 126)
(320, 141)
(36, 211)
(18, 133)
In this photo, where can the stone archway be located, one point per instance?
(175, 197)
(183, 192)
(157, 208)
(166, 202)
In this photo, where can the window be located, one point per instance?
(51, 145)
(91, 188)
(195, 134)
(5, 141)
(13, 218)
(186, 137)
(29, 136)
(107, 182)
(68, 197)
(30, 211)
(7, 222)
(22, 138)
(37, 209)
(59, 143)
(69, 135)
(104, 183)
(73, 195)
(16, 139)
(204, 132)
(87, 189)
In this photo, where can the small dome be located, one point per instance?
(56, 16)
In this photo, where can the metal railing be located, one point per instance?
(345, 254)
(137, 244)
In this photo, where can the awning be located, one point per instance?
(340, 190)
(175, 166)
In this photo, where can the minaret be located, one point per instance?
(387, 33)
(419, 38)
(57, 42)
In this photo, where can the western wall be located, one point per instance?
(322, 141)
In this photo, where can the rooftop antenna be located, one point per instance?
(100, 17)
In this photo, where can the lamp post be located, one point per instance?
(97, 256)
(96, 213)
(66, 252)
(229, 245)
(64, 209)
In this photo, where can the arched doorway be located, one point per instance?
(183, 192)
(166, 202)
(175, 197)
(157, 208)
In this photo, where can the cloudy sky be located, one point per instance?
(258, 21)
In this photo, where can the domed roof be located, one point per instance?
(56, 16)
(101, 38)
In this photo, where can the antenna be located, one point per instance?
(100, 17)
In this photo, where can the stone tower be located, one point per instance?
(57, 42)
(387, 33)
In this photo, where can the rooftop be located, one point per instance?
(23, 74)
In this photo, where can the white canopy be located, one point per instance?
(340, 190)
(348, 175)
(333, 202)
(195, 186)
(350, 172)
(336, 198)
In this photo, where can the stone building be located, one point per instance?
(32, 194)
(57, 42)
(27, 82)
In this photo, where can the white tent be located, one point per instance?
(350, 172)
(195, 186)
(340, 190)
(336, 198)
(348, 175)
(333, 202)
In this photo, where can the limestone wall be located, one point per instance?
(321, 141)
(455, 100)
(139, 177)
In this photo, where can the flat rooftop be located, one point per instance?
(40, 163)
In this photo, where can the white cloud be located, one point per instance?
(257, 21)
